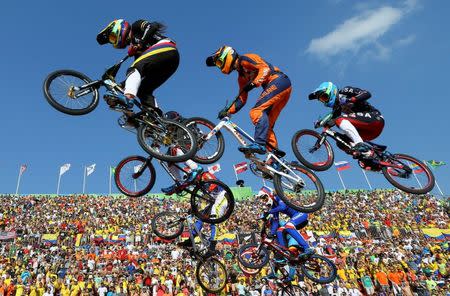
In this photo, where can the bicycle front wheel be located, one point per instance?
(308, 150)
(167, 225)
(300, 188)
(246, 270)
(253, 256)
(212, 201)
(319, 269)
(211, 275)
(134, 176)
(409, 174)
(62, 91)
(167, 140)
(211, 150)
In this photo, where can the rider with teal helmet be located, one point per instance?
(353, 114)
(326, 93)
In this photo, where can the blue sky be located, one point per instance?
(398, 50)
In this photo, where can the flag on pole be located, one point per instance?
(214, 168)
(23, 168)
(416, 168)
(240, 167)
(435, 163)
(342, 165)
(64, 168)
(90, 169)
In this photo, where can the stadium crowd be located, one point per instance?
(103, 245)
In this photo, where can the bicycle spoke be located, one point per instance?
(212, 275)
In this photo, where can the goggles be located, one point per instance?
(323, 97)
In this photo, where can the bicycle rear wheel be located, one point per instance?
(253, 256)
(134, 176)
(212, 201)
(211, 275)
(167, 225)
(246, 270)
(211, 150)
(292, 290)
(300, 188)
(319, 269)
(409, 174)
(308, 150)
(167, 140)
(61, 89)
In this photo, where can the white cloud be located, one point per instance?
(406, 40)
(362, 31)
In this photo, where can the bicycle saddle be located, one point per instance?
(278, 153)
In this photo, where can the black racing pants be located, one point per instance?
(155, 70)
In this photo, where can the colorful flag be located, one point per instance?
(8, 235)
(23, 168)
(228, 239)
(214, 168)
(64, 168)
(240, 167)
(435, 163)
(342, 165)
(50, 238)
(90, 169)
(416, 168)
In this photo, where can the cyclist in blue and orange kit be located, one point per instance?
(297, 220)
(156, 57)
(255, 72)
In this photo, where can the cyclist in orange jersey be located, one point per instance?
(255, 72)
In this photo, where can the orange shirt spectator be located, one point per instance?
(395, 278)
(382, 278)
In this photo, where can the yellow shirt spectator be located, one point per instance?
(19, 290)
(341, 274)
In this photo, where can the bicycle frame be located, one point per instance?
(327, 131)
(274, 246)
(244, 138)
(192, 227)
(165, 167)
(108, 81)
(179, 184)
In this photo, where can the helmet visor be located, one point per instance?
(105, 35)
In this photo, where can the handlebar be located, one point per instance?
(323, 121)
(111, 72)
(228, 106)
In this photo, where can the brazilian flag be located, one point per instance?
(435, 163)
